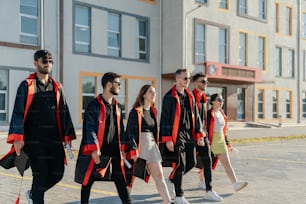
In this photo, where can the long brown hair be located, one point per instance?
(139, 102)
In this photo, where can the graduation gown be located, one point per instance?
(93, 134)
(24, 97)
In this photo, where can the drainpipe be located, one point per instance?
(42, 33)
(298, 41)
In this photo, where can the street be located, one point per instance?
(275, 172)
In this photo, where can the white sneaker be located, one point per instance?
(239, 185)
(170, 187)
(202, 185)
(212, 195)
(29, 197)
(180, 200)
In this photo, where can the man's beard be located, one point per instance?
(113, 91)
(41, 70)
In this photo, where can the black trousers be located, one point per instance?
(187, 160)
(204, 158)
(118, 179)
(47, 164)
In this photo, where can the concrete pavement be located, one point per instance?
(275, 169)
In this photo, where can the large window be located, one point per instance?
(243, 7)
(89, 84)
(240, 103)
(114, 34)
(262, 9)
(274, 104)
(243, 49)
(223, 58)
(82, 29)
(304, 104)
(288, 104)
(291, 63)
(260, 104)
(288, 21)
(200, 43)
(3, 95)
(261, 52)
(142, 40)
(29, 23)
(278, 61)
(223, 4)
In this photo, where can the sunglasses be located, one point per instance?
(117, 82)
(220, 99)
(203, 81)
(45, 61)
(187, 78)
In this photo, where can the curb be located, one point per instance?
(266, 139)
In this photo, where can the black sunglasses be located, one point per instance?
(116, 82)
(203, 81)
(187, 78)
(45, 61)
(220, 99)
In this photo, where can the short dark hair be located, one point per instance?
(108, 77)
(179, 71)
(198, 75)
(45, 54)
(213, 98)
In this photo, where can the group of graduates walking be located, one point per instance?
(187, 136)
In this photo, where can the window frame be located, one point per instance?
(304, 104)
(81, 26)
(117, 33)
(262, 12)
(291, 63)
(288, 20)
(29, 16)
(202, 41)
(261, 60)
(260, 103)
(225, 3)
(243, 49)
(224, 45)
(278, 62)
(145, 38)
(288, 105)
(5, 92)
(275, 113)
(244, 7)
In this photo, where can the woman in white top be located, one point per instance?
(216, 128)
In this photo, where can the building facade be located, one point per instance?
(253, 51)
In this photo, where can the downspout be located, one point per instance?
(42, 18)
(160, 53)
(61, 40)
(298, 41)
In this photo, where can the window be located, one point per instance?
(304, 64)
(89, 84)
(243, 49)
(260, 103)
(304, 25)
(3, 95)
(288, 104)
(223, 4)
(240, 103)
(142, 39)
(261, 53)
(304, 104)
(114, 35)
(243, 7)
(200, 43)
(291, 63)
(288, 21)
(262, 9)
(82, 29)
(277, 17)
(29, 24)
(274, 104)
(223, 45)
(278, 61)
(202, 1)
